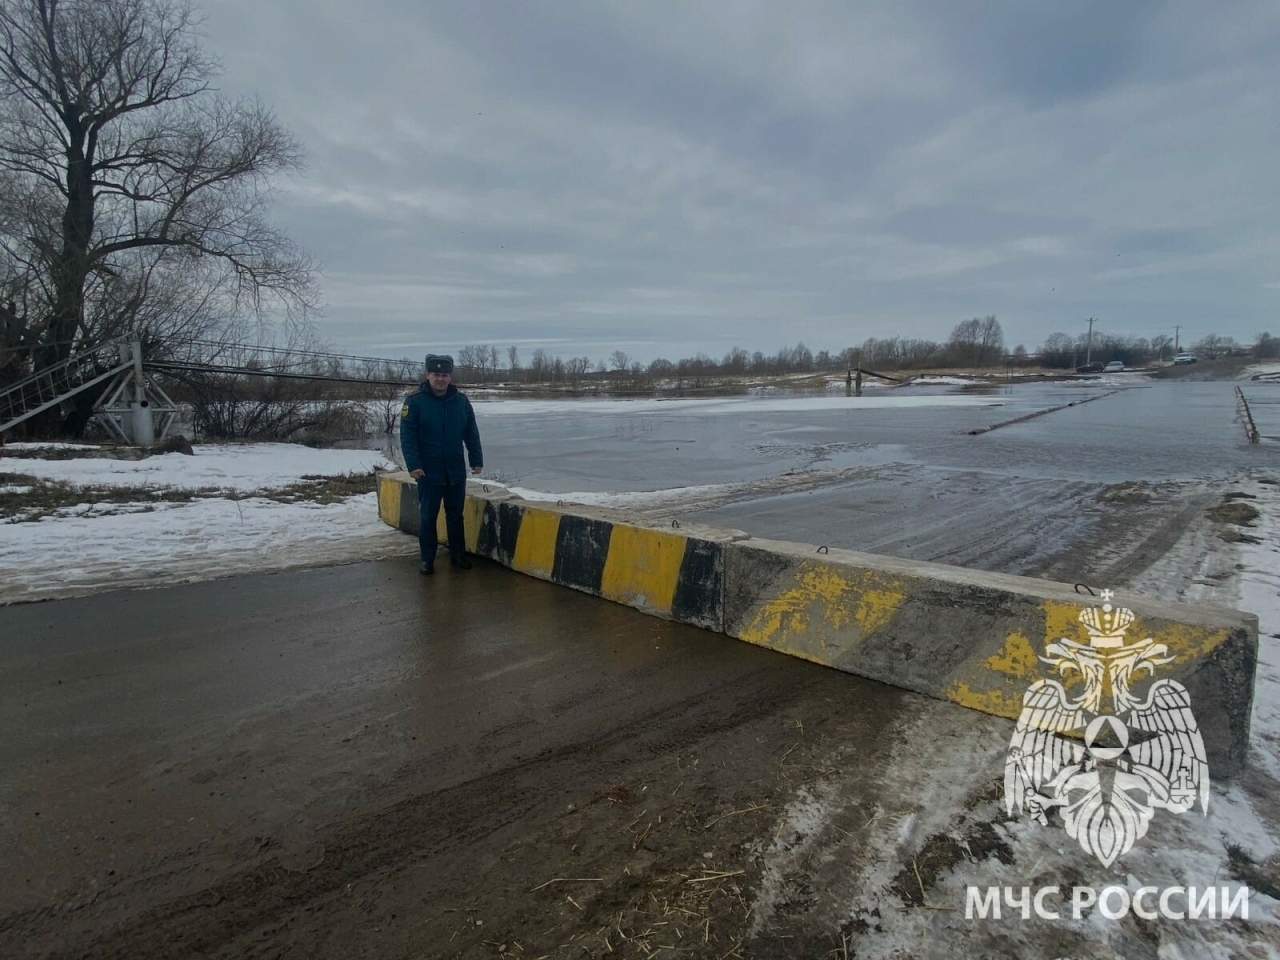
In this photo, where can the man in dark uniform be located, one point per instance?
(435, 423)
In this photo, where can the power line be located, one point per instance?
(290, 351)
(175, 367)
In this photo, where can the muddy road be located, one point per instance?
(358, 761)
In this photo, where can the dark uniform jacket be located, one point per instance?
(432, 432)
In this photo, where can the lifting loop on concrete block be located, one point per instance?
(823, 549)
(1087, 589)
(484, 487)
(559, 503)
(675, 524)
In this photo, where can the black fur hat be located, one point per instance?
(439, 363)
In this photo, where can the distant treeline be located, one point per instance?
(974, 344)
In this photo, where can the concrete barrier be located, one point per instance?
(671, 572)
(974, 638)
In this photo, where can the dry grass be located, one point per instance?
(673, 913)
(1233, 511)
(37, 498)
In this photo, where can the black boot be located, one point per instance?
(426, 569)
(460, 562)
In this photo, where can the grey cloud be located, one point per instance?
(672, 179)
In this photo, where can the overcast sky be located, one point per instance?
(672, 177)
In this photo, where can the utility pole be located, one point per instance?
(1176, 328)
(1088, 352)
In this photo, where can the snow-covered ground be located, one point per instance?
(91, 547)
(1269, 371)
(1127, 378)
(940, 380)
(235, 467)
(49, 445)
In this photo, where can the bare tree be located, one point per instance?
(990, 340)
(398, 378)
(513, 359)
(125, 179)
(620, 359)
(234, 406)
(661, 367)
(1059, 351)
(478, 359)
(541, 366)
(735, 361)
(976, 342)
(1214, 346)
(1160, 345)
(470, 363)
(576, 367)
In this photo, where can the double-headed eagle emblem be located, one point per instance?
(1109, 758)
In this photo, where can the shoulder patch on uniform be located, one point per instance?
(404, 411)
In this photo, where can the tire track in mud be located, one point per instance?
(1071, 531)
(266, 903)
(1126, 542)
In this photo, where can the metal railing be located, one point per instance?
(1246, 417)
(54, 385)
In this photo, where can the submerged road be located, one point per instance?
(358, 761)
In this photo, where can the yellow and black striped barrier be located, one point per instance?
(673, 573)
(974, 638)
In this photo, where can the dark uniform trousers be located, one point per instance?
(430, 496)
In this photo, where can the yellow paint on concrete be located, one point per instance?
(389, 500)
(997, 686)
(643, 567)
(877, 607)
(1185, 642)
(472, 519)
(536, 545)
(1003, 701)
(830, 608)
(1016, 659)
(1063, 620)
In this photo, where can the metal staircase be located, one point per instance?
(133, 407)
(51, 387)
(129, 407)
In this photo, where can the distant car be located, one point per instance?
(1115, 366)
(1095, 367)
(1185, 358)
